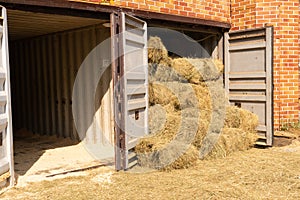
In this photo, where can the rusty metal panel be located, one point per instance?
(115, 69)
(132, 86)
(248, 75)
(44, 71)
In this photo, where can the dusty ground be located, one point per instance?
(272, 173)
(38, 157)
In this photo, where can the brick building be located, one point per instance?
(49, 40)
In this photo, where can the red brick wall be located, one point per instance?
(218, 10)
(284, 16)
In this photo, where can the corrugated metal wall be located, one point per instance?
(43, 73)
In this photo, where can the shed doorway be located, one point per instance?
(46, 52)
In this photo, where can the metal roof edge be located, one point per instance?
(96, 7)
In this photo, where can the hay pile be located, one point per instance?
(240, 118)
(187, 113)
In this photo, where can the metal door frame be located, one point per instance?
(268, 45)
(118, 35)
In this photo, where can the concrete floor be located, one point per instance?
(40, 157)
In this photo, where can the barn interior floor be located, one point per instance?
(44, 157)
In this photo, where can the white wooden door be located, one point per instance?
(6, 139)
(130, 69)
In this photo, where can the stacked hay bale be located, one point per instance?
(238, 133)
(187, 103)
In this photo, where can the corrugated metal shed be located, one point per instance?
(44, 69)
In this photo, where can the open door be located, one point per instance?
(6, 139)
(130, 74)
(248, 76)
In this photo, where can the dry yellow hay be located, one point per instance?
(175, 155)
(163, 73)
(175, 127)
(199, 107)
(183, 67)
(177, 102)
(191, 100)
(4, 176)
(160, 94)
(186, 160)
(160, 149)
(198, 70)
(238, 134)
(168, 132)
(181, 95)
(208, 68)
(157, 118)
(203, 126)
(243, 175)
(232, 140)
(183, 127)
(240, 118)
(185, 94)
(219, 65)
(157, 52)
